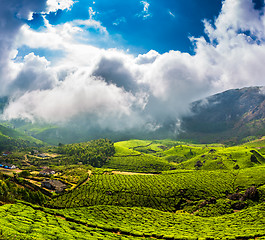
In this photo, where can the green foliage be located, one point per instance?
(245, 224)
(95, 152)
(124, 152)
(221, 207)
(140, 156)
(164, 192)
(10, 192)
(250, 176)
(24, 173)
(142, 163)
(11, 139)
(20, 221)
(204, 179)
(223, 158)
(131, 144)
(74, 173)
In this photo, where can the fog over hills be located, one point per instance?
(57, 73)
(71, 74)
(233, 114)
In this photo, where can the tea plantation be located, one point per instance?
(24, 221)
(137, 189)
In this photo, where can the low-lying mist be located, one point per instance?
(109, 92)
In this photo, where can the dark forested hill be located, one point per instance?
(11, 139)
(228, 116)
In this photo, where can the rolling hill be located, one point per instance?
(146, 189)
(230, 116)
(11, 139)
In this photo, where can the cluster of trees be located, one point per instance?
(9, 192)
(95, 152)
(10, 144)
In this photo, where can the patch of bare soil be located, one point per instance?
(131, 173)
(61, 217)
(10, 171)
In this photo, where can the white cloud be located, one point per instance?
(145, 13)
(149, 57)
(171, 14)
(118, 21)
(80, 94)
(34, 74)
(90, 23)
(146, 6)
(12, 16)
(54, 5)
(120, 90)
(65, 37)
(262, 90)
(91, 13)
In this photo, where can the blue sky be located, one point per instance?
(161, 25)
(120, 65)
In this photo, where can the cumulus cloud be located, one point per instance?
(120, 91)
(12, 14)
(78, 94)
(118, 21)
(114, 70)
(145, 12)
(149, 57)
(54, 5)
(235, 53)
(35, 74)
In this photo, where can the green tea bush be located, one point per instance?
(162, 192)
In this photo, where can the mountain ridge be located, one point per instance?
(234, 114)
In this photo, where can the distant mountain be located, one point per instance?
(11, 139)
(3, 102)
(231, 116)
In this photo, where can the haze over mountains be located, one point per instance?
(231, 116)
(62, 64)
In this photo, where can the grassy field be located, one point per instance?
(168, 192)
(20, 221)
(194, 192)
(163, 155)
(10, 139)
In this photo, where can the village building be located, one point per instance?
(42, 155)
(47, 171)
(56, 185)
(34, 152)
(6, 153)
(7, 165)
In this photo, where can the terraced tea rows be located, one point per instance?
(19, 221)
(164, 192)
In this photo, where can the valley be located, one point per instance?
(146, 189)
(123, 120)
(206, 182)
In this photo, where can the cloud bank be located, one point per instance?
(116, 90)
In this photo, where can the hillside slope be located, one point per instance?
(228, 116)
(11, 139)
